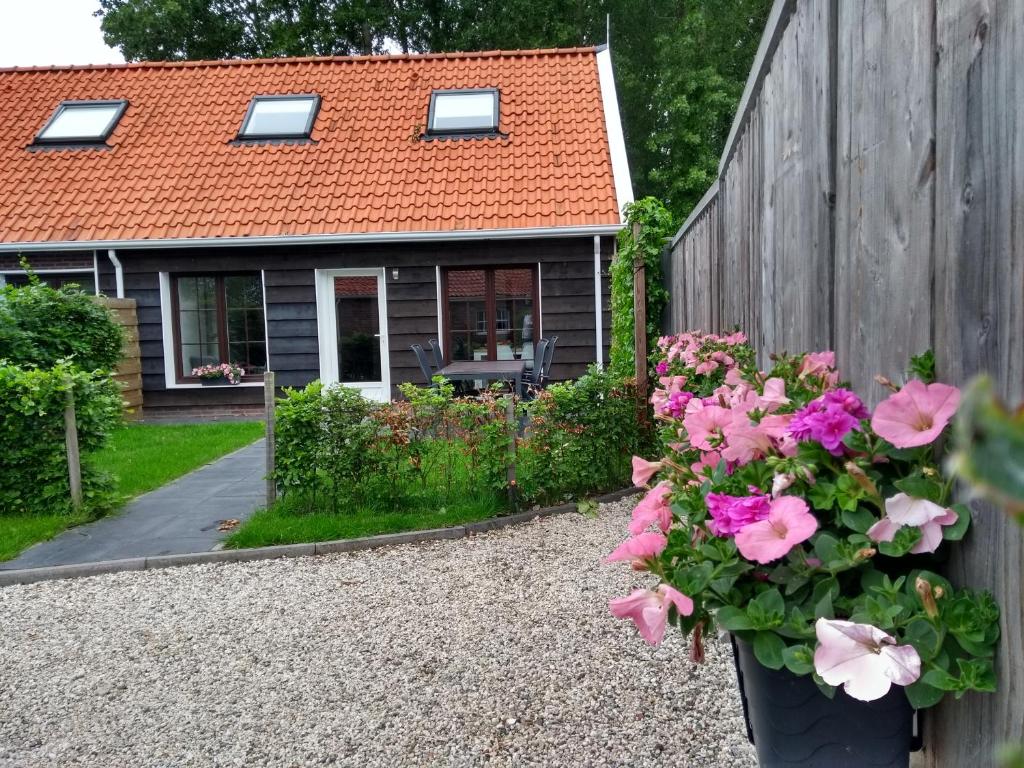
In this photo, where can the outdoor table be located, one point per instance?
(486, 370)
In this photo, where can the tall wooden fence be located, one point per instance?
(129, 370)
(870, 200)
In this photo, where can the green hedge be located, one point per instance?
(40, 326)
(33, 458)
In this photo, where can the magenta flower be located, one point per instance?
(644, 470)
(649, 610)
(901, 510)
(825, 424)
(731, 514)
(653, 508)
(847, 400)
(863, 659)
(639, 549)
(915, 415)
(789, 522)
(661, 367)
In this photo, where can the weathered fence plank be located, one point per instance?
(886, 182)
(979, 315)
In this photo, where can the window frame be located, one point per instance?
(222, 321)
(243, 136)
(490, 304)
(495, 113)
(93, 140)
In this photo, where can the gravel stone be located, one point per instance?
(493, 650)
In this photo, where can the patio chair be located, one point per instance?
(424, 361)
(435, 351)
(549, 354)
(534, 376)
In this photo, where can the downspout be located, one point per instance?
(599, 330)
(118, 272)
(96, 272)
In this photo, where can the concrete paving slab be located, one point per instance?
(179, 518)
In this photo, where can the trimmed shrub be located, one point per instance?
(40, 326)
(33, 458)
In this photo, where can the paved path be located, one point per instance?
(178, 518)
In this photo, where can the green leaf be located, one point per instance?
(925, 638)
(956, 531)
(904, 540)
(768, 648)
(921, 487)
(941, 679)
(732, 618)
(826, 547)
(859, 519)
(921, 695)
(799, 659)
(822, 495)
(828, 690)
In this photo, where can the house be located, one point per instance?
(317, 216)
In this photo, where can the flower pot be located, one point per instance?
(220, 381)
(792, 723)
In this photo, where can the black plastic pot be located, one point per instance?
(792, 723)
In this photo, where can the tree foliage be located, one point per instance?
(679, 66)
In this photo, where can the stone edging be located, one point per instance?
(78, 570)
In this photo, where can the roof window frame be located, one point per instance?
(245, 137)
(493, 130)
(100, 139)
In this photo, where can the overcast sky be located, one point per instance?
(40, 32)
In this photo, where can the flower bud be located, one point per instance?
(861, 478)
(927, 595)
(887, 383)
(697, 649)
(865, 554)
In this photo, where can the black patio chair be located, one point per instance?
(549, 355)
(424, 361)
(435, 351)
(533, 377)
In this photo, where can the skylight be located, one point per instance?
(464, 111)
(82, 122)
(280, 117)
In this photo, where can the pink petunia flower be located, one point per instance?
(705, 424)
(863, 659)
(653, 508)
(648, 609)
(902, 510)
(915, 415)
(774, 395)
(644, 470)
(639, 549)
(789, 523)
(731, 514)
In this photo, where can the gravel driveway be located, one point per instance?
(496, 650)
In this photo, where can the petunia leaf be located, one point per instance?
(799, 659)
(859, 519)
(921, 695)
(920, 487)
(956, 531)
(768, 648)
(732, 618)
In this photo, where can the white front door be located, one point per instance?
(352, 324)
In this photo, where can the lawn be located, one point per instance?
(393, 501)
(140, 457)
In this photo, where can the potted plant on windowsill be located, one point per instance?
(223, 375)
(807, 527)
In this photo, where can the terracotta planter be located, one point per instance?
(793, 724)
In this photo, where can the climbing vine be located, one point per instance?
(656, 225)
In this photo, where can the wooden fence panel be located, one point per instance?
(886, 182)
(979, 316)
(909, 115)
(129, 370)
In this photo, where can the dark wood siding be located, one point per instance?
(567, 302)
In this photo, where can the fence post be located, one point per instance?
(640, 323)
(268, 416)
(513, 431)
(71, 441)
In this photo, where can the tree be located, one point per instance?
(680, 65)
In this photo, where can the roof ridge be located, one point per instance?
(529, 52)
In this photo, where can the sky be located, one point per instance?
(41, 32)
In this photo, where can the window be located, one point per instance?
(81, 122)
(280, 117)
(490, 313)
(463, 111)
(219, 319)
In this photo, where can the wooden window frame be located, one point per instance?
(490, 304)
(222, 321)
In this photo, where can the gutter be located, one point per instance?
(293, 240)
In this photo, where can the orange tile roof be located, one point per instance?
(173, 172)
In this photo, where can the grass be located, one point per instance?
(140, 457)
(146, 456)
(392, 502)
